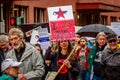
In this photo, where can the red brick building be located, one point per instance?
(35, 11)
(96, 11)
(31, 11)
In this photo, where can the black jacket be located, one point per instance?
(72, 72)
(1, 59)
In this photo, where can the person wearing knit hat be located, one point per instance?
(111, 37)
(110, 59)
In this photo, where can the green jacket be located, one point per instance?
(91, 56)
(6, 77)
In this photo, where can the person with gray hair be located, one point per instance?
(4, 43)
(32, 63)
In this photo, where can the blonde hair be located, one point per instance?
(101, 34)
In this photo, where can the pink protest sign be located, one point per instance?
(61, 23)
(62, 30)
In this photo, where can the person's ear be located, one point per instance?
(6, 71)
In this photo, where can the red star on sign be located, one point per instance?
(60, 13)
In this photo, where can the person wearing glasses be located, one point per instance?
(110, 60)
(33, 64)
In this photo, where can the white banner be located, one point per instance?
(40, 36)
(115, 26)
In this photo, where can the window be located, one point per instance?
(119, 19)
(113, 19)
(2, 26)
(2, 21)
(0, 12)
(21, 12)
(104, 20)
(39, 15)
(80, 21)
(94, 19)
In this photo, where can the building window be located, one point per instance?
(113, 19)
(94, 19)
(79, 18)
(0, 13)
(21, 12)
(2, 21)
(119, 19)
(104, 20)
(39, 15)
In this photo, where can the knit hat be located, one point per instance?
(111, 37)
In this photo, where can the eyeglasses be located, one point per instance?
(15, 38)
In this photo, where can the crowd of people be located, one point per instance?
(70, 60)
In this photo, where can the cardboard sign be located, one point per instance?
(61, 23)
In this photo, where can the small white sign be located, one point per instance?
(115, 26)
(34, 37)
(40, 36)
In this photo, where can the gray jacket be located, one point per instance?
(110, 65)
(32, 63)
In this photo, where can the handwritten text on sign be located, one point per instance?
(63, 29)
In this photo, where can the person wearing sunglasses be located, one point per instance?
(110, 59)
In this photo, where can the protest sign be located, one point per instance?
(40, 36)
(61, 23)
(115, 26)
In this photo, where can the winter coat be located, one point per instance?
(32, 62)
(110, 64)
(6, 77)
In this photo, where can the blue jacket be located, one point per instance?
(6, 77)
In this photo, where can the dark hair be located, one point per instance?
(84, 38)
(70, 48)
(40, 47)
(37, 45)
(118, 36)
